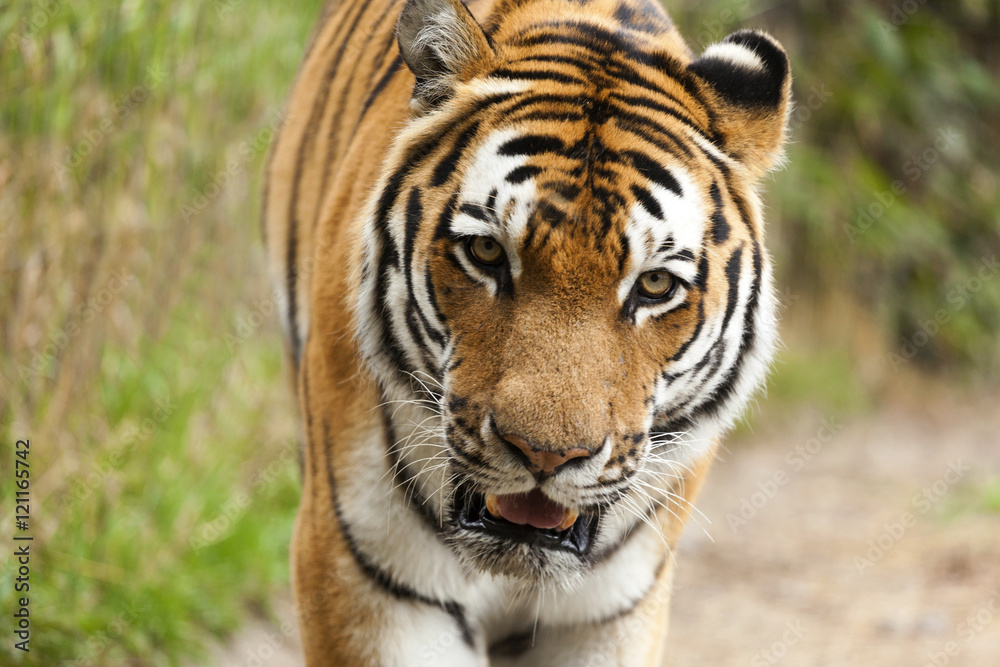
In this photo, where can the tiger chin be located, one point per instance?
(520, 256)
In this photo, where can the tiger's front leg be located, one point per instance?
(351, 613)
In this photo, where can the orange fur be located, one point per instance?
(557, 364)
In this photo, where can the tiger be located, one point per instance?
(519, 252)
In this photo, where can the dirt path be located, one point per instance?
(852, 548)
(861, 557)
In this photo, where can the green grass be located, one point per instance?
(164, 460)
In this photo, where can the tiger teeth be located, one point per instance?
(493, 505)
(569, 520)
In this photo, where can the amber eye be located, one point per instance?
(656, 285)
(485, 250)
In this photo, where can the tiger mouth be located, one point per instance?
(530, 518)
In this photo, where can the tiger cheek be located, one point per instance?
(667, 335)
(470, 315)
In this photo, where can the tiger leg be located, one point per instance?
(350, 613)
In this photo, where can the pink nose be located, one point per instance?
(545, 460)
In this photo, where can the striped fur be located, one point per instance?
(586, 139)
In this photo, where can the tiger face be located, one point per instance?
(564, 272)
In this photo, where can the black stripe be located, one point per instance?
(720, 226)
(443, 229)
(572, 102)
(418, 328)
(733, 267)
(387, 256)
(446, 167)
(640, 125)
(414, 216)
(523, 173)
(642, 102)
(477, 211)
(422, 328)
(623, 257)
(536, 75)
(531, 144)
(432, 298)
(512, 646)
(648, 202)
(542, 114)
(578, 63)
(654, 172)
(394, 68)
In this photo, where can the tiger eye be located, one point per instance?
(486, 250)
(656, 284)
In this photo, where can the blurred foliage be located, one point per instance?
(139, 340)
(141, 354)
(903, 92)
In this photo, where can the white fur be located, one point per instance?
(686, 221)
(739, 55)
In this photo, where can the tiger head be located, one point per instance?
(564, 264)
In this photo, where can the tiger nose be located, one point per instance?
(545, 461)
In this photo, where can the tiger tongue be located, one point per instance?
(533, 508)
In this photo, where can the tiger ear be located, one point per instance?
(442, 44)
(748, 76)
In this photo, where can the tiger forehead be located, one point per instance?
(620, 52)
(617, 24)
(544, 176)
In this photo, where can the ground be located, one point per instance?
(871, 540)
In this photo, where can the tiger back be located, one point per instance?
(523, 278)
